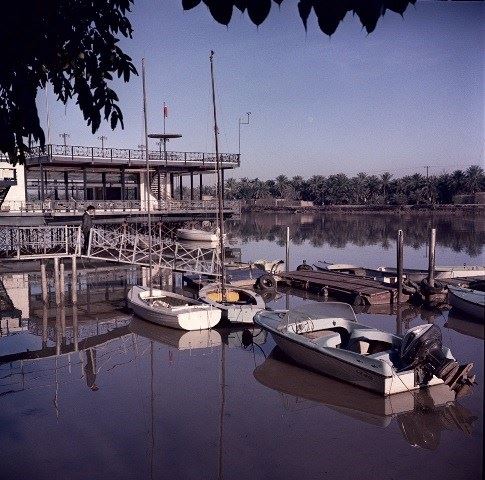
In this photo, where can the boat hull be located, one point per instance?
(359, 370)
(194, 235)
(471, 302)
(196, 316)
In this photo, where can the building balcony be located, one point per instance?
(72, 155)
(60, 208)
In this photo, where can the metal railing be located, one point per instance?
(39, 242)
(119, 206)
(124, 244)
(132, 156)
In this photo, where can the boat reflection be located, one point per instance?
(179, 339)
(421, 415)
(464, 324)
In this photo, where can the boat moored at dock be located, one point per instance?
(471, 302)
(327, 338)
(171, 309)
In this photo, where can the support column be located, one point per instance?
(200, 186)
(103, 181)
(66, 184)
(191, 185)
(172, 189)
(85, 181)
(42, 186)
(159, 186)
(123, 185)
(180, 186)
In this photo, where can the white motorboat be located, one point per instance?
(471, 302)
(171, 309)
(196, 235)
(239, 305)
(327, 338)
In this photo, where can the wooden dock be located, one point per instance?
(350, 288)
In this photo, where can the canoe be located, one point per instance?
(195, 235)
(471, 302)
(299, 387)
(326, 338)
(240, 306)
(171, 309)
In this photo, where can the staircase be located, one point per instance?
(154, 184)
(7, 308)
(8, 178)
(3, 194)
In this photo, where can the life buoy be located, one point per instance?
(304, 267)
(266, 282)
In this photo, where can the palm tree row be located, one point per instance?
(362, 189)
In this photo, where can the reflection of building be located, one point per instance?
(65, 179)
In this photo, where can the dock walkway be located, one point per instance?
(351, 288)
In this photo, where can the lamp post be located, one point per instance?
(102, 138)
(242, 121)
(64, 136)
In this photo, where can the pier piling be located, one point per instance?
(400, 252)
(43, 275)
(74, 279)
(431, 257)
(56, 280)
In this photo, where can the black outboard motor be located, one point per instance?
(422, 349)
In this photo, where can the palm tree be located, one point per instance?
(474, 179)
(385, 179)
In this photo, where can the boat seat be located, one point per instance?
(371, 341)
(327, 339)
(391, 357)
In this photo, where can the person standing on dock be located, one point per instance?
(87, 224)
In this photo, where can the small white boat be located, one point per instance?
(171, 309)
(239, 306)
(196, 235)
(327, 338)
(471, 302)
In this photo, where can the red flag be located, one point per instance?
(165, 111)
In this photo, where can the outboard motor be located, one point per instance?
(422, 349)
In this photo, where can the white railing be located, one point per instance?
(117, 206)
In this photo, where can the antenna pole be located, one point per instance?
(147, 185)
(219, 184)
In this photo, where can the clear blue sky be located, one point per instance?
(408, 95)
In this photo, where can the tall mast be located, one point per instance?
(147, 185)
(219, 185)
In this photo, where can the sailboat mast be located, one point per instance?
(219, 185)
(147, 185)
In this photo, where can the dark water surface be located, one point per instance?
(115, 397)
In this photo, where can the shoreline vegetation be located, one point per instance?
(456, 191)
(248, 207)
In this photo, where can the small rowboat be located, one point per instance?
(239, 306)
(195, 235)
(471, 302)
(171, 309)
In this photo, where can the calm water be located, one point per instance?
(114, 397)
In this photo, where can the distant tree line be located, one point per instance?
(362, 189)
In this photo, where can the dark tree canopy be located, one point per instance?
(329, 13)
(73, 44)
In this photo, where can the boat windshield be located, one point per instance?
(326, 310)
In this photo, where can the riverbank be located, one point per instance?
(375, 209)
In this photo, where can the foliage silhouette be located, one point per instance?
(71, 44)
(362, 189)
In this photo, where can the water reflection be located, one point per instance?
(421, 415)
(461, 233)
(464, 324)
